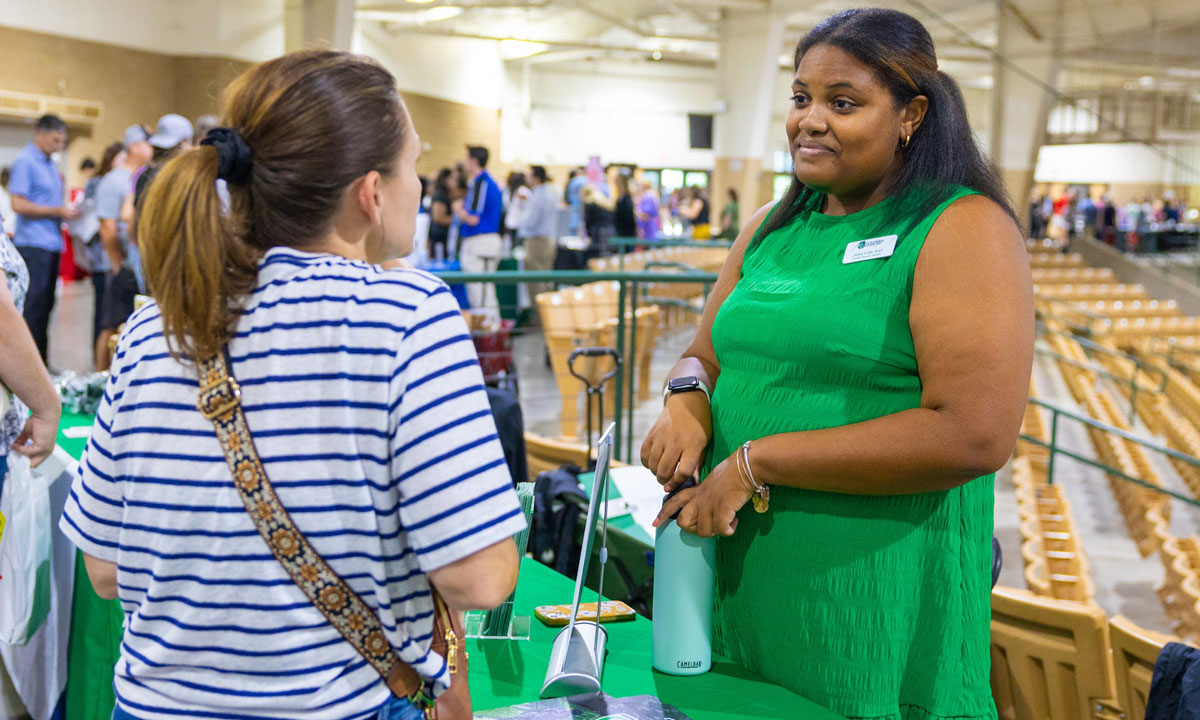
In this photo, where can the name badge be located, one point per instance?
(872, 249)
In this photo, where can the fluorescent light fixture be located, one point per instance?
(517, 49)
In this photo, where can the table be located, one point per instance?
(503, 672)
(96, 624)
(507, 672)
(624, 521)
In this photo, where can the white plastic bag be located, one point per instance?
(24, 552)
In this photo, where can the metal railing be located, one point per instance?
(1139, 365)
(1173, 348)
(1073, 306)
(630, 295)
(623, 244)
(1055, 449)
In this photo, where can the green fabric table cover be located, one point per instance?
(96, 624)
(508, 672)
(503, 672)
(623, 522)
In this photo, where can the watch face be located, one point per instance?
(683, 383)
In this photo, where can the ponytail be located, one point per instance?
(304, 126)
(196, 264)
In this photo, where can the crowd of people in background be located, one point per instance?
(1075, 211)
(535, 212)
(90, 231)
(87, 231)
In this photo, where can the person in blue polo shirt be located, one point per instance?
(479, 231)
(37, 199)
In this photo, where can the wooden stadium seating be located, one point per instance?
(1134, 652)
(587, 316)
(1117, 309)
(1132, 458)
(1080, 292)
(672, 315)
(1055, 260)
(1055, 564)
(1033, 425)
(1180, 591)
(1188, 620)
(1073, 274)
(1128, 330)
(1181, 435)
(1050, 659)
(562, 334)
(543, 453)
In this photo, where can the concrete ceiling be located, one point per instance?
(1119, 41)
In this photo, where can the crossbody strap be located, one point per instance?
(220, 402)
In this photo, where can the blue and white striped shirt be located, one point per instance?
(365, 399)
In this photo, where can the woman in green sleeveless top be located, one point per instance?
(871, 337)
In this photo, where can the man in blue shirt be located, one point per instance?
(479, 232)
(37, 199)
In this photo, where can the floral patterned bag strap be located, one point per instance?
(220, 402)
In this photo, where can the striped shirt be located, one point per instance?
(364, 396)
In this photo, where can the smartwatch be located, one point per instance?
(687, 383)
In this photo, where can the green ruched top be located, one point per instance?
(874, 606)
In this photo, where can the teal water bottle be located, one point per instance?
(684, 564)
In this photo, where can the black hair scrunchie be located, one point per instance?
(234, 163)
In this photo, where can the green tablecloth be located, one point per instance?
(621, 522)
(507, 672)
(96, 626)
(502, 672)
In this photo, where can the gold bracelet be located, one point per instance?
(737, 460)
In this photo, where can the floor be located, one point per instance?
(1124, 581)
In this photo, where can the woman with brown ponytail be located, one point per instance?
(360, 395)
(867, 349)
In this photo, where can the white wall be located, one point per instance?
(618, 112)
(245, 29)
(1119, 163)
(457, 69)
(1187, 171)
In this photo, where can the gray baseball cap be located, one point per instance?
(133, 134)
(172, 129)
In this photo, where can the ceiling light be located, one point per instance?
(656, 55)
(419, 2)
(443, 12)
(1146, 81)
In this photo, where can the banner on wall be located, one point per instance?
(595, 171)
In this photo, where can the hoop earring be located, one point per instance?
(907, 139)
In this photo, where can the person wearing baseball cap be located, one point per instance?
(173, 133)
(136, 133)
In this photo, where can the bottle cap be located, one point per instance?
(689, 483)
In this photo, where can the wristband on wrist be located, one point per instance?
(688, 383)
